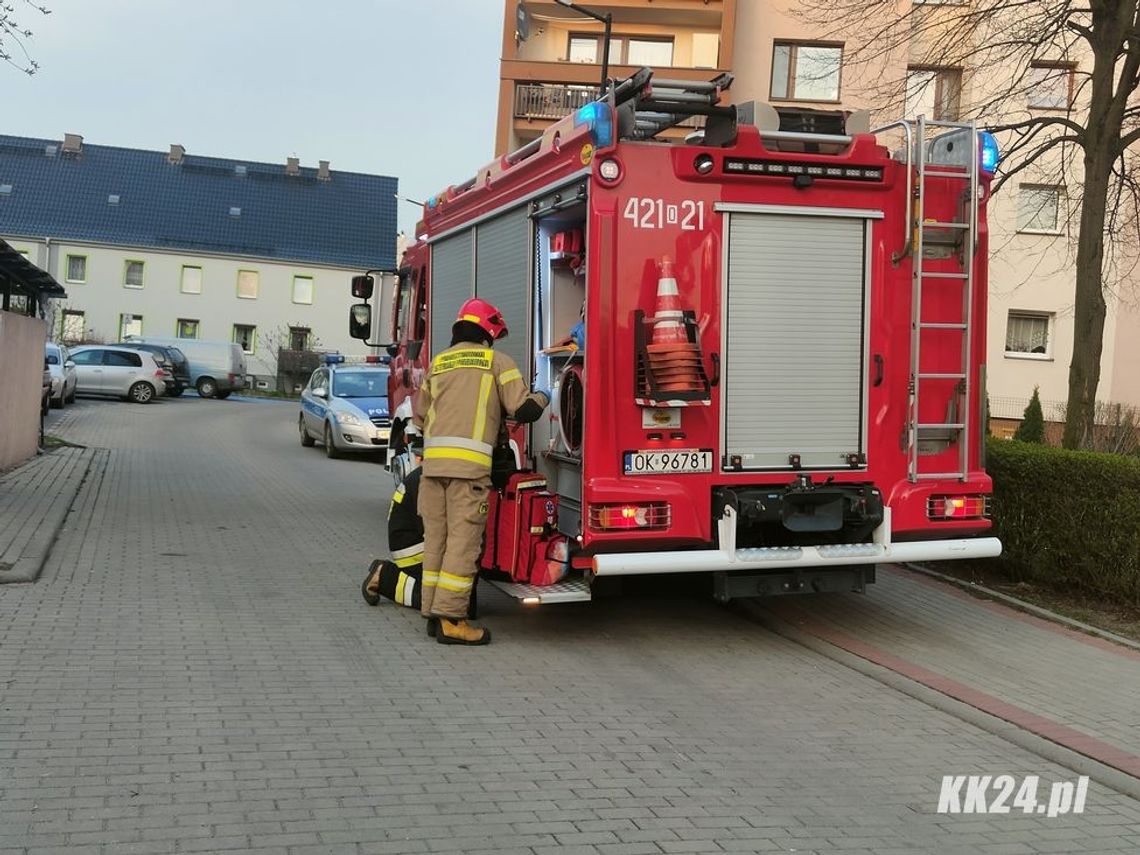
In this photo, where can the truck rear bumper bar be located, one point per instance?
(728, 557)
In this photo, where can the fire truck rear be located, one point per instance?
(775, 374)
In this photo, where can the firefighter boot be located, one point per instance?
(371, 587)
(459, 631)
(432, 626)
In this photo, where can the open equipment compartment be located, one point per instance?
(560, 294)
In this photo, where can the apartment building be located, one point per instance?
(178, 244)
(777, 56)
(552, 54)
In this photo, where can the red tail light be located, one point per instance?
(158, 373)
(646, 517)
(957, 507)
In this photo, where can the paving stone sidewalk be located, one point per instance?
(34, 502)
(195, 671)
(1084, 685)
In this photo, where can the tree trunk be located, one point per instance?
(1100, 139)
(1090, 309)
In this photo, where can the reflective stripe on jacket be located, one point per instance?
(460, 408)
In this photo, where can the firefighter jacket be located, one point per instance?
(460, 407)
(405, 528)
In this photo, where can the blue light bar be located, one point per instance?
(599, 118)
(334, 358)
(990, 153)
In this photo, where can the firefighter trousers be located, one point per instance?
(454, 511)
(401, 585)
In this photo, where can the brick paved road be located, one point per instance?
(195, 671)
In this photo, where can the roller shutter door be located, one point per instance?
(452, 282)
(502, 276)
(794, 350)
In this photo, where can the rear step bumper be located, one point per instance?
(713, 560)
(728, 558)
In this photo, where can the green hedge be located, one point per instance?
(1068, 519)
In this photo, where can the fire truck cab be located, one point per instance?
(766, 341)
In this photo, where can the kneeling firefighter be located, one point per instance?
(460, 409)
(399, 579)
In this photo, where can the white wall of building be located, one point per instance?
(104, 297)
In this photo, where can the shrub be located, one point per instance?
(1068, 519)
(1032, 427)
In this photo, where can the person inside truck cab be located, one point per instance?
(459, 408)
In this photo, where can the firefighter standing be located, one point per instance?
(460, 409)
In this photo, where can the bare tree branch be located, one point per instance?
(14, 33)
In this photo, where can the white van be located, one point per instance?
(217, 368)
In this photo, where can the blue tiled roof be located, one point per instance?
(349, 219)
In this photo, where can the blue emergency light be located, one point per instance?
(334, 358)
(598, 117)
(990, 152)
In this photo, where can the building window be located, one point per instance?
(1038, 208)
(130, 325)
(191, 279)
(303, 290)
(934, 92)
(806, 72)
(187, 328)
(246, 336)
(72, 326)
(133, 274)
(1027, 334)
(299, 338)
(247, 284)
(654, 51)
(585, 47)
(1050, 86)
(77, 268)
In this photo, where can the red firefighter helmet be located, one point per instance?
(484, 315)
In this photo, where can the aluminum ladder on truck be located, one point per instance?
(932, 158)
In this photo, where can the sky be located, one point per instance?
(406, 88)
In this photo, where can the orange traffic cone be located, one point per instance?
(670, 325)
(673, 359)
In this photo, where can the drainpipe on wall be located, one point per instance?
(47, 267)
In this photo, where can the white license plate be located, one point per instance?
(673, 461)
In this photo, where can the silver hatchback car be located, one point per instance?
(106, 369)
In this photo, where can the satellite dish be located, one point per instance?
(522, 22)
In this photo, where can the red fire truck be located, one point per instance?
(776, 373)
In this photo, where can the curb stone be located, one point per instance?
(33, 554)
(1115, 779)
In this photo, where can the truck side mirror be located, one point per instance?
(362, 287)
(360, 320)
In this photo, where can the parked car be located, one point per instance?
(62, 374)
(45, 395)
(217, 368)
(110, 369)
(163, 360)
(175, 360)
(345, 405)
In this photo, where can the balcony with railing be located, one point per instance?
(551, 101)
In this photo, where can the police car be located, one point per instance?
(345, 406)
